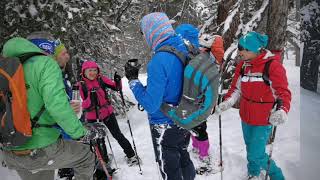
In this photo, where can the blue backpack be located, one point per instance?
(200, 88)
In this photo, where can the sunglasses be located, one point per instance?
(240, 48)
(57, 42)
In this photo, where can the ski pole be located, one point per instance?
(95, 102)
(128, 121)
(220, 136)
(102, 162)
(278, 104)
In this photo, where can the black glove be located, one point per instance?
(132, 69)
(95, 130)
(117, 80)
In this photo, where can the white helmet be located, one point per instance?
(206, 40)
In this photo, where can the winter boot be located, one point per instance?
(195, 145)
(203, 148)
(133, 160)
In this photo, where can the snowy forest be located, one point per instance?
(108, 31)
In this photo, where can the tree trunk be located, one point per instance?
(277, 23)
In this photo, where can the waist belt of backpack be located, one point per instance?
(259, 102)
(34, 121)
(23, 152)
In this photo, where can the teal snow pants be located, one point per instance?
(256, 139)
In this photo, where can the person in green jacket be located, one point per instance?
(46, 151)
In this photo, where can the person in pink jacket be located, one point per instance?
(96, 101)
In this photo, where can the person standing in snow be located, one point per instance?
(48, 105)
(94, 81)
(164, 85)
(61, 55)
(200, 141)
(257, 100)
(205, 44)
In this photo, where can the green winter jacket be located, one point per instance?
(44, 87)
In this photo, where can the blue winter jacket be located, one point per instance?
(164, 82)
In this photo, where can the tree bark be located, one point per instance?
(277, 23)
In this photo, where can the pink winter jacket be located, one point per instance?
(105, 107)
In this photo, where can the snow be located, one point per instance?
(255, 18)
(229, 19)
(33, 10)
(286, 147)
(70, 16)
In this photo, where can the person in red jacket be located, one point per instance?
(257, 100)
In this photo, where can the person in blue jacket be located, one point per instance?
(164, 85)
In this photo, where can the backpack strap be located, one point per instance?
(84, 89)
(34, 121)
(24, 57)
(265, 75)
(174, 51)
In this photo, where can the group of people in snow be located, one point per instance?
(68, 143)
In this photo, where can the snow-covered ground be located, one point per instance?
(310, 139)
(286, 147)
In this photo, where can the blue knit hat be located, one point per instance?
(189, 32)
(156, 27)
(254, 41)
(44, 44)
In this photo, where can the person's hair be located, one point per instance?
(41, 35)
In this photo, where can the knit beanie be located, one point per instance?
(254, 41)
(156, 28)
(44, 40)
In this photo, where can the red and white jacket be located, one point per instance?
(257, 98)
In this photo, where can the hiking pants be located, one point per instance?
(256, 139)
(170, 144)
(112, 125)
(40, 164)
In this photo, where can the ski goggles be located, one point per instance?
(241, 48)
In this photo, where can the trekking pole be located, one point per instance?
(220, 134)
(128, 121)
(115, 162)
(94, 93)
(278, 104)
(102, 162)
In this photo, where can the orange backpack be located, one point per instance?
(217, 49)
(16, 126)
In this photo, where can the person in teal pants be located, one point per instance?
(258, 90)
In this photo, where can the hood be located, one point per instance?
(89, 64)
(18, 46)
(189, 32)
(175, 41)
(267, 55)
(156, 28)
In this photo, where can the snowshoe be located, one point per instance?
(66, 173)
(133, 160)
(101, 175)
(250, 177)
(207, 167)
